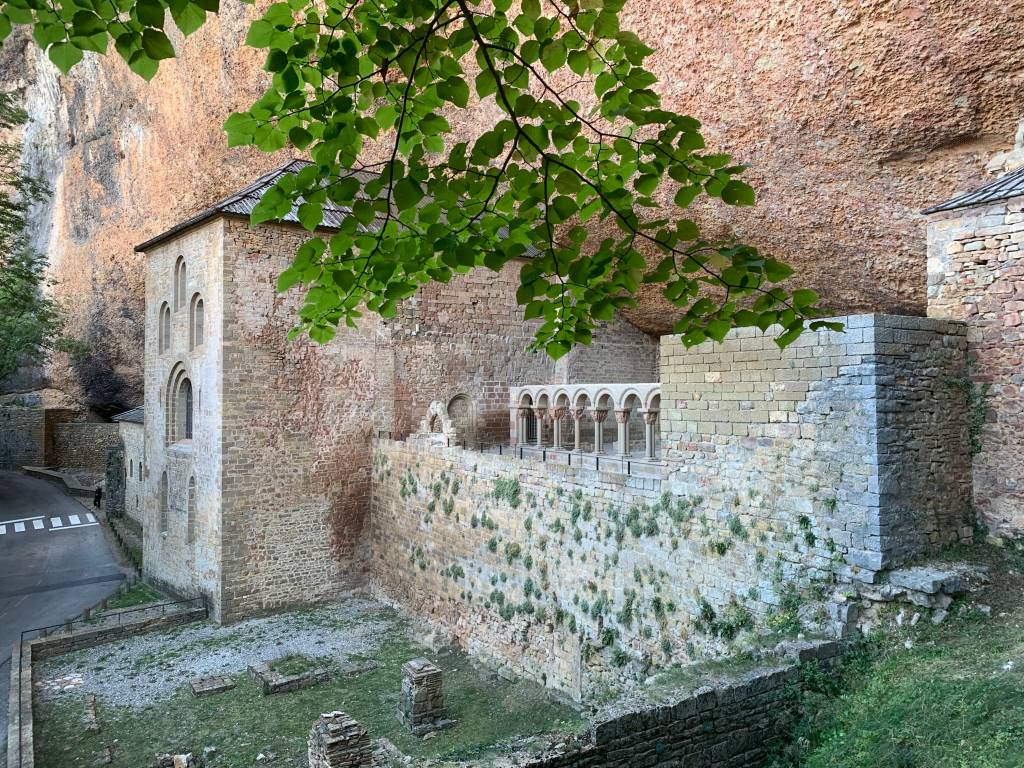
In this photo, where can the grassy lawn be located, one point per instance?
(954, 699)
(137, 594)
(242, 723)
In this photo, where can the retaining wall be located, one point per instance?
(84, 445)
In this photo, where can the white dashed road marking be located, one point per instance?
(89, 517)
(74, 519)
(3, 530)
(56, 522)
(38, 525)
(19, 527)
(75, 527)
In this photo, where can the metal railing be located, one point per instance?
(609, 462)
(89, 620)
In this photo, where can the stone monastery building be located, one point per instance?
(578, 520)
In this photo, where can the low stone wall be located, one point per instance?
(976, 275)
(732, 726)
(84, 445)
(20, 743)
(22, 436)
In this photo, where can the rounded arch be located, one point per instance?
(543, 400)
(581, 399)
(163, 501)
(632, 396)
(196, 322)
(180, 279)
(190, 522)
(525, 400)
(179, 411)
(462, 414)
(604, 400)
(163, 329)
(561, 399)
(653, 402)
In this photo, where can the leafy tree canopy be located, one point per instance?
(31, 322)
(573, 187)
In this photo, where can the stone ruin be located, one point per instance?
(338, 741)
(421, 702)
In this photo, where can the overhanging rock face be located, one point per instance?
(865, 429)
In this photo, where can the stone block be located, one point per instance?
(338, 741)
(421, 700)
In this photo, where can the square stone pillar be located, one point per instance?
(338, 741)
(421, 702)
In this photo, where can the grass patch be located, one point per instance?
(137, 594)
(242, 723)
(293, 664)
(954, 699)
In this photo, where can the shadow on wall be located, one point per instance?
(105, 390)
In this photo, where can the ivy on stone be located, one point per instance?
(577, 188)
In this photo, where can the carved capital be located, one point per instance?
(599, 415)
(577, 413)
(650, 417)
(558, 412)
(622, 415)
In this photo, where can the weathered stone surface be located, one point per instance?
(274, 682)
(421, 701)
(338, 741)
(930, 581)
(203, 686)
(976, 275)
(803, 93)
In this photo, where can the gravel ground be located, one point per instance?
(147, 668)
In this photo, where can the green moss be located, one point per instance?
(137, 594)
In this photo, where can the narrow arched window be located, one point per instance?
(163, 502)
(190, 525)
(131, 469)
(183, 410)
(164, 329)
(179, 283)
(196, 323)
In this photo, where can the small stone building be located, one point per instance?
(257, 449)
(976, 274)
(132, 429)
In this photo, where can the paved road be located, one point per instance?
(54, 561)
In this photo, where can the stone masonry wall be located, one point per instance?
(84, 445)
(857, 438)
(976, 274)
(830, 461)
(188, 565)
(22, 433)
(133, 438)
(297, 420)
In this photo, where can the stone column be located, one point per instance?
(650, 420)
(557, 414)
(338, 741)
(598, 415)
(523, 415)
(539, 413)
(577, 415)
(421, 702)
(622, 417)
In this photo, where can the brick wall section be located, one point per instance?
(84, 445)
(859, 437)
(22, 433)
(976, 274)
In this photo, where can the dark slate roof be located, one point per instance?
(135, 415)
(242, 202)
(1006, 186)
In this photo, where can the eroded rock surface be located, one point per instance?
(852, 116)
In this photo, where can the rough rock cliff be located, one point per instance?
(852, 115)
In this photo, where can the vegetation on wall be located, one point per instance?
(580, 189)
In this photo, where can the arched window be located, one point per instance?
(140, 470)
(196, 322)
(190, 526)
(179, 283)
(163, 503)
(131, 469)
(164, 328)
(180, 408)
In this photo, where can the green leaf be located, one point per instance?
(803, 298)
(260, 34)
(455, 90)
(300, 137)
(531, 9)
(142, 65)
(776, 271)
(552, 55)
(187, 16)
(64, 56)
(5, 27)
(407, 193)
(156, 45)
(736, 192)
(686, 195)
(150, 13)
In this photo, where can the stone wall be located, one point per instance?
(841, 456)
(188, 564)
(976, 274)
(133, 438)
(83, 445)
(22, 435)
(859, 438)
